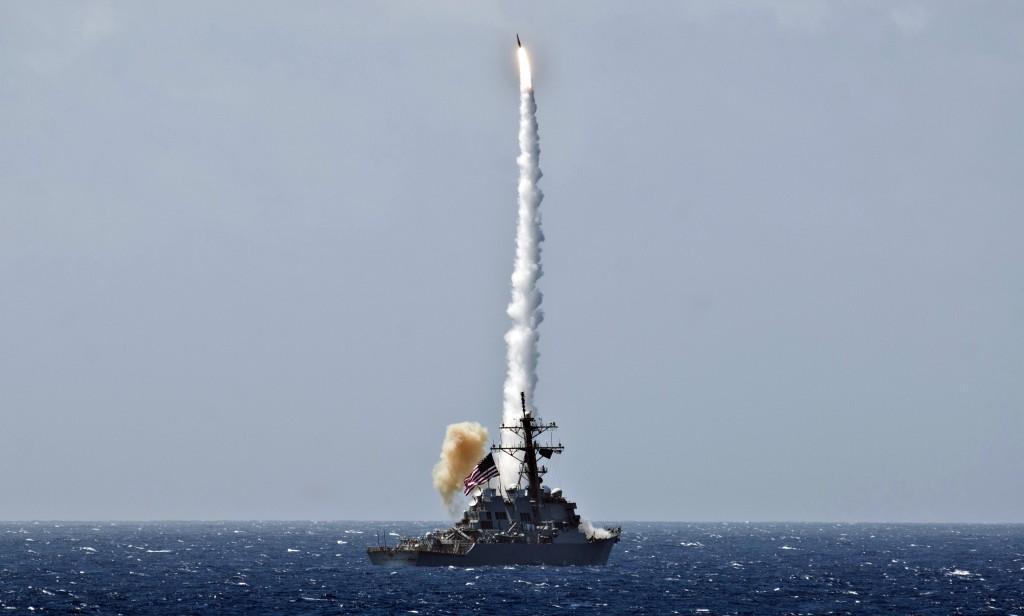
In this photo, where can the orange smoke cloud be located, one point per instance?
(464, 446)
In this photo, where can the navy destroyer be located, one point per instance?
(525, 524)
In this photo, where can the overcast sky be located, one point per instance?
(254, 257)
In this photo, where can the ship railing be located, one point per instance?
(459, 547)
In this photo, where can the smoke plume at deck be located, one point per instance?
(463, 447)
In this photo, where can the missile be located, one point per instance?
(518, 42)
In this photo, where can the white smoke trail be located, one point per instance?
(524, 308)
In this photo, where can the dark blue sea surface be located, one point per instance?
(321, 568)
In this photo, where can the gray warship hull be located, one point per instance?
(499, 554)
(510, 526)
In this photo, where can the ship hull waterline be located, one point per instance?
(593, 553)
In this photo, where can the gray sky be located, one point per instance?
(254, 259)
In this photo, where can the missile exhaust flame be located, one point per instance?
(525, 74)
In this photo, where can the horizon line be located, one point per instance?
(395, 521)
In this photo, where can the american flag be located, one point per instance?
(482, 472)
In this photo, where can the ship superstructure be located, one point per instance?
(524, 524)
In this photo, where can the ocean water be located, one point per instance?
(321, 568)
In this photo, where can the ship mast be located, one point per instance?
(526, 453)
